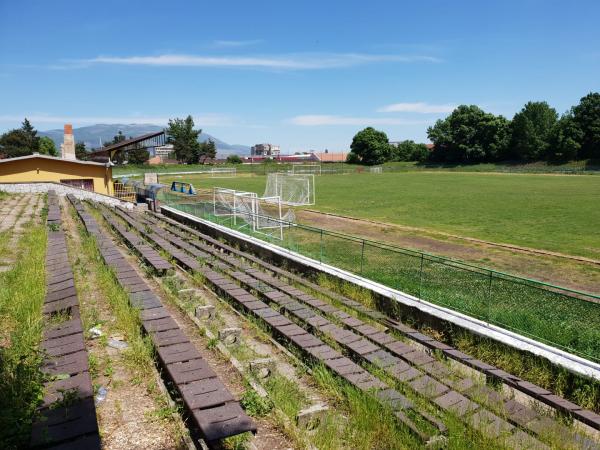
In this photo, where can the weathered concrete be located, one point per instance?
(310, 417)
(205, 312)
(230, 336)
(262, 368)
(568, 361)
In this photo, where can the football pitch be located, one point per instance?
(557, 213)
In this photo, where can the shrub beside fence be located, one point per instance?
(561, 317)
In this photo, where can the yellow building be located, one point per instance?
(92, 176)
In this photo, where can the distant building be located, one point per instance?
(265, 150)
(327, 157)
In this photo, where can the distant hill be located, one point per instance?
(93, 134)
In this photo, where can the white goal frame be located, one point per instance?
(276, 187)
(245, 206)
(302, 169)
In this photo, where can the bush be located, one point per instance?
(234, 159)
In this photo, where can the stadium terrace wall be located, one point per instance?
(470, 297)
(62, 190)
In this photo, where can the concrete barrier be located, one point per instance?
(62, 190)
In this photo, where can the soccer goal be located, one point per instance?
(314, 169)
(292, 189)
(264, 215)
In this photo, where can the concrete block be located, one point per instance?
(262, 368)
(205, 312)
(230, 336)
(311, 417)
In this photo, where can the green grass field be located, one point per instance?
(551, 212)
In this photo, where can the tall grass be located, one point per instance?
(139, 357)
(22, 292)
(140, 354)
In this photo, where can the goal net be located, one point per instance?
(263, 215)
(314, 169)
(292, 189)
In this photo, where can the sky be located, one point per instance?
(304, 74)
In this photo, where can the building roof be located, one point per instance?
(131, 141)
(332, 157)
(54, 158)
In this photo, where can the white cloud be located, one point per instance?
(228, 43)
(289, 62)
(419, 107)
(201, 120)
(322, 119)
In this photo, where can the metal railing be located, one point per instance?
(564, 318)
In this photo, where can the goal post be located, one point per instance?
(262, 215)
(314, 169)
(292, 189)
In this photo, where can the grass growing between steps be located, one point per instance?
(22, 291)
(139, 355)
(138, 358)
(365, 423)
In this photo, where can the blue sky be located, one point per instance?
(305, 75)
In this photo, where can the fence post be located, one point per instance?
(321, 248)
(421, 278)
(489, 297)
(362, 256)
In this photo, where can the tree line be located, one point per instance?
(471, 135)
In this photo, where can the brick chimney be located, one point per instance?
(67, 148)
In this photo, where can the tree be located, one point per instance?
(587, 117)
(13, 143)
(208, 151)
(234, 159)
(138, 156)
(469, 134)
(118, 138)
(371, 146)
(80, 151)
(410, 151)
(20, 142)
(352, 158)
(565, 139)
(47, 146)
(530, 131)
(419, 153)
(184, 138)
(32, 141)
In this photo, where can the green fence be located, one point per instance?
(561, 317)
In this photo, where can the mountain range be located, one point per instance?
(95, 135)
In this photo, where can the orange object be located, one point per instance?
(68, 128)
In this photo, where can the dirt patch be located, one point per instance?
(544, 267)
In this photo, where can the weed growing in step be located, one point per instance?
(22, 292)
(286, 395)
(254, 404)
